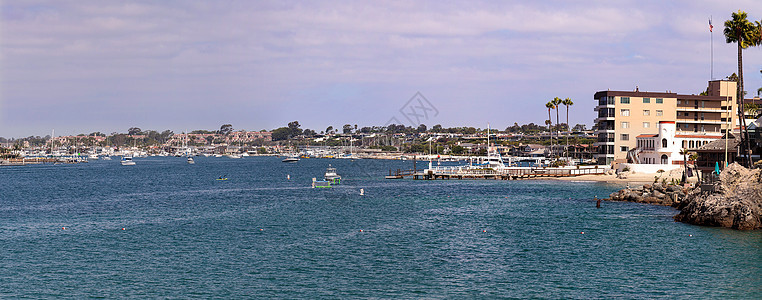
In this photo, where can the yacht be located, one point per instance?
(190, 160)
(331, 176)
(233, 156)
(127, 161)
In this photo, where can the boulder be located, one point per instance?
(736, 203)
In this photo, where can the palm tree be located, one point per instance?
(550, 106)
(684, 153)
(751, 109)
(745, 34)
(568, 102)
(556, 102)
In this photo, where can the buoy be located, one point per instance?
(484, 230)
(261, 229)
(123, 228)
(690, 235)
(360, 230)
(288, 176)
(582, 232)
(362, 192)
(63, 228)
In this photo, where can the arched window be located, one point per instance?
(664, 143)
(664, 159)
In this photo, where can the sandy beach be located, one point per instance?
(630, 177)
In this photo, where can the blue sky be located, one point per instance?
(84, 66)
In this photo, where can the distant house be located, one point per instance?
(530, 150)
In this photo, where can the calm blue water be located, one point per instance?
(259, 235)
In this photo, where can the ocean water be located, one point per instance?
(260, 235)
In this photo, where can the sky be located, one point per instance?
(86, 66)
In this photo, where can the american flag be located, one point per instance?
(710, 25)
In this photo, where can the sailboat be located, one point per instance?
(187, 152)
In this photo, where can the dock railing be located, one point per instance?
(517, 171)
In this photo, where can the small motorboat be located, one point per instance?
(320, 184)
(190, 160)
(127, 161)
(291, 159)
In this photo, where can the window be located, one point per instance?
(646, 125)
(625, 124)
(646, 100)
(659, 113)
(624, 148)
(686, 114)
(664, 159)
(646, 112)
(664, 143)
(659, 100)
(679, 102)
(625, 113)
(625, 137)
(624, 100)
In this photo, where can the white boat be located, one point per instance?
(92, 156)
(331, 175)
(190, 160)
(127, 161)
(233, 156)
(291, 159)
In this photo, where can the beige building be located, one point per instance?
(624, 115)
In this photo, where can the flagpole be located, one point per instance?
(711, 49)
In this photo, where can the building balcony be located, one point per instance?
(700, 121)
(700, 109)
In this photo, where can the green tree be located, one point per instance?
(745, 34)
(294, 129)
(281, 134)
(422, 128)
(225, 129)
(457, 150)
(347, 129)
(134, 131)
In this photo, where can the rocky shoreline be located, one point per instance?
(732, 201)
(659, 194)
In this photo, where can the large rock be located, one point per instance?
(736, 201)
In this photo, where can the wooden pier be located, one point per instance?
(515, 173)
